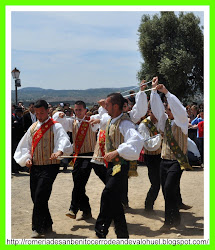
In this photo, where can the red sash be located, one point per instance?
(79, 140)
(102, 144)
(40, 132)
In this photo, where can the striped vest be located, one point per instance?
(181, 139)
(89, 141)
(44, 148)
(113, 130)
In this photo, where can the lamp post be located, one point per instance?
(15, 74)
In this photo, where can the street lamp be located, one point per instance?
(15, 74)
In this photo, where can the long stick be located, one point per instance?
(136, 87)
(76, 118)
(141, 91)
(79, 156)
(90, 157)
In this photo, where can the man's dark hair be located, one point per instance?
(18, 109)
(117, 98)
(32, 103)
(41, 103)
(81, 103)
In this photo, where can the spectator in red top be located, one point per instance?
(201, 139)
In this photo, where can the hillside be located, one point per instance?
(31, 94)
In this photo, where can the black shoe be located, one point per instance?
(85, 216)
(15, 172)
(184, 207)
(48, 229)
(149, 208)
(125, 206)
(165, 228)
(35, 234)
(100, 235)
(71, 214)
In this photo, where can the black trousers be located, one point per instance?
(41, 181)
(170, 181)
(124, 185)
(153, 165)
(111, 206)
(14, 166)
(200, 145)
(81, 174)
(193, 160)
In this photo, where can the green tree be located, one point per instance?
(172, 49)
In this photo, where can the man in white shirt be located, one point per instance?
(84, 141)
(135, 114)
(39, 149)
(174, 125)
(122, 144)
(148, 128)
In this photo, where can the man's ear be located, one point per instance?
(115, 106)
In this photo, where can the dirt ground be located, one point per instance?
(141, 225)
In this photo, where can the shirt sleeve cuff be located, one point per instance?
(168, 94)
(28, 159)
(119, 151)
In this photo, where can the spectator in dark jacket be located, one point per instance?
(17, 134)
(29, 118)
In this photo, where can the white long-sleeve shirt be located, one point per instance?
(150, 143)
(67, 122)
(102, 116)
(177, 109)
(61, 143)
(140, 108)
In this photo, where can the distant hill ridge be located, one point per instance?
(31, 94)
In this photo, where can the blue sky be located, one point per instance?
(76, 49)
